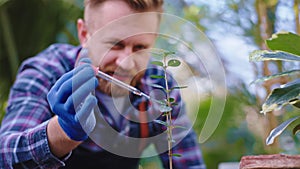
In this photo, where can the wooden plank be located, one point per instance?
(278, 161)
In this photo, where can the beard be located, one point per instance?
(113, 90)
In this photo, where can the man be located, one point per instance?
(61, 115)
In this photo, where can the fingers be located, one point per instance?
(62, 80)
(82, 75)
(54, 97)
(69, 84)
(81, 93)
(73, 87)
(86, 115)
(89, 103)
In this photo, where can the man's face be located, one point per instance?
(118, 39)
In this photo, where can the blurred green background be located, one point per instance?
(27, 27)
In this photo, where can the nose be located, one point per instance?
(125, 59)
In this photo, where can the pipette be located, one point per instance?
(121, 84)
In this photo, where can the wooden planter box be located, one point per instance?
(278, 161)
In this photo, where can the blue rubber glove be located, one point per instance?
(71, 100)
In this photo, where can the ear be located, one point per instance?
(82, 32)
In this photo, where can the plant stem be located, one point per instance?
(169, 117)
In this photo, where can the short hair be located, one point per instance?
(136, 5)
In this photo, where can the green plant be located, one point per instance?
(285, 46)
(166, 104)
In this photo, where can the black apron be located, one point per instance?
(81, 159)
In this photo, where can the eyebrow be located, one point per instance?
(114, 40)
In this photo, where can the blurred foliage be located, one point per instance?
(253, 21)
(232, 138)
(27, 27)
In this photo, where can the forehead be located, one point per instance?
(117, 16)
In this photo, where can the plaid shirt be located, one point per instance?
(23, 138)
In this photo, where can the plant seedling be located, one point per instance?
(165, 106)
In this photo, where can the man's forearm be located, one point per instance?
(60, 144)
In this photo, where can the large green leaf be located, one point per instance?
(282, 96)
(285, 41)
(296, 103)
(287, 73)
(296, 129)
(264, 55)
(279, 129)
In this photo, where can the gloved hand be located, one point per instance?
(71, 100)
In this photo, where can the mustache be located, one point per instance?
(118, 71)
(132, 76)
(113, 90)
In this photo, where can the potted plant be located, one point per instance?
(284, 46)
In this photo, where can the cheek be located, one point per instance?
(99, 54)
(103, 61)
(142, 62)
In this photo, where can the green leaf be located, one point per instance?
(165, 114)
(178, 87)
(181, 127)
(296, 103)
(291, 72)
(174, 63)
(157, 86)
(174, 104)
(296, 129)
(164, 108)
(278, 130)
(282, 96)
(176, 155)
(161, 102)
(171, 100)
(168, 53)
(157, 76)
(158, 63)
(285, 41)
(161, 122)
(264, 55)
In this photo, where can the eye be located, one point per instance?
(117, 45)
(139, 47)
